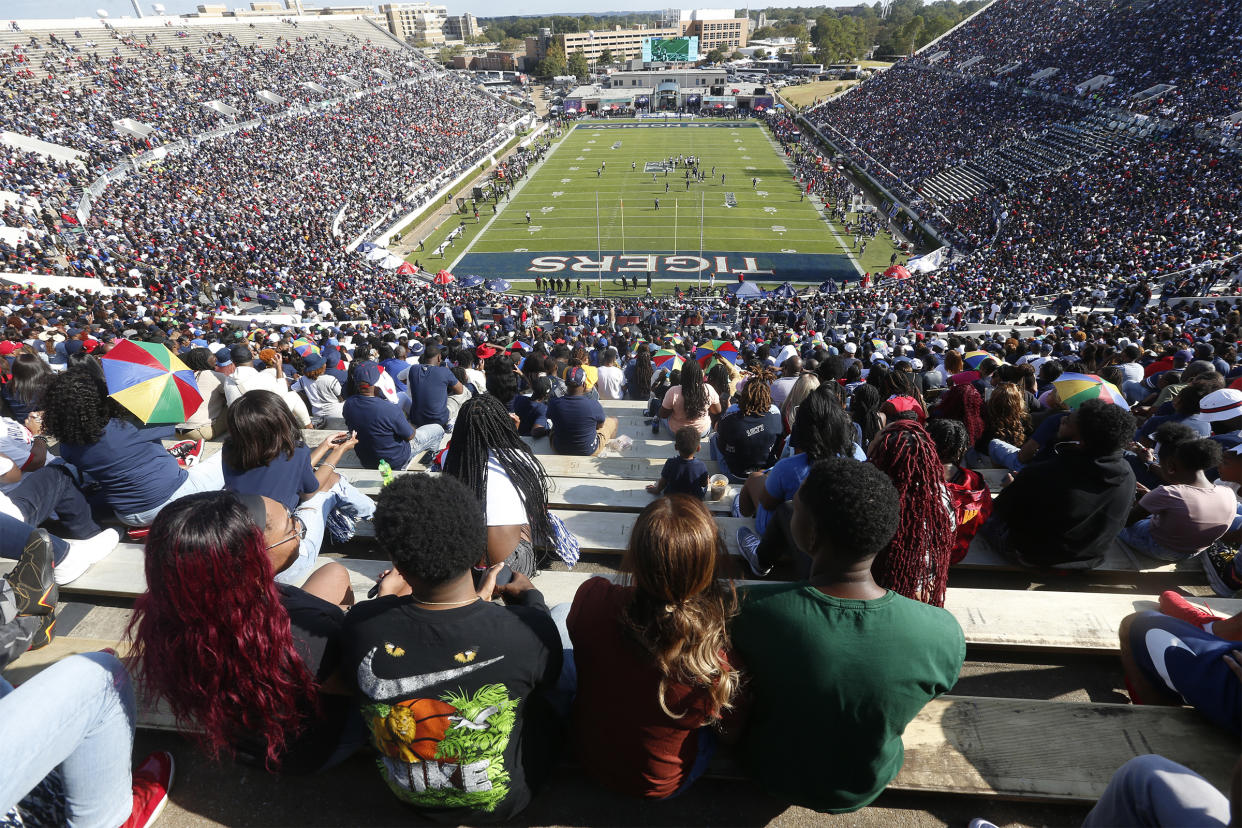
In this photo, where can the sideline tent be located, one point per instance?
(498, 285)
(470, 281)
(746, 290)
(897, 272)
(406, 269)
(785, 291)
(829, 286)
(443, 278)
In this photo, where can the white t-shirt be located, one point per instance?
(504, 504)
(15, 444)
(781, 389)
(611, 381)
(7, 506)
(476, 378)
(323, 393)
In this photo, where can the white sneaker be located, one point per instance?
(84, 553)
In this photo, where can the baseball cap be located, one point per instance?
(485, 351)
(7, 347)
(575, 376)
(222, 356)
(851, 348)
(1224, 404)
(366, 373)
(417, 348)
(1231, 443)
(314, 362)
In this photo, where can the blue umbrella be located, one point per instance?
(366, 247)
(829, 286)
(498, 285)
(470, 281)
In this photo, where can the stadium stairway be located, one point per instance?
(1033, 730)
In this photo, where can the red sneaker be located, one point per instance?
(1176, 606)
(152, 781)
(187, 452)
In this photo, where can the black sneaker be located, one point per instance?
(33, 579)
(1218, 564)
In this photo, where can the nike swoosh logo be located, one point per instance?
(381, 688)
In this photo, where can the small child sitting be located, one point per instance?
(683, 474)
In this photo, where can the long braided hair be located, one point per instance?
(962, 402)
(641, 386)
(916, 562)
(693, 394)
(484, 428)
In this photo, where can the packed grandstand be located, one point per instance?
(813, 514)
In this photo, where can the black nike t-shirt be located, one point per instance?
(454, 701)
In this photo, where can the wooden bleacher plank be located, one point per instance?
(571, 492)
(621, 468)
(655, 448)
(1028, 620)
(1065, 751)
(981, 555)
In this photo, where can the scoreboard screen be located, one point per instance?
(673, 49)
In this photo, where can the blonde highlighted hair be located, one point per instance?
(680, 610)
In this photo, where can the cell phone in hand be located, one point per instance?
(336, 441)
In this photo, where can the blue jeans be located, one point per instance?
(562, 698)
(1138, 537)
(77, 715)
(314, 515)
(205, 476)
(13, 535)
(714, 451)
(426, 438)
(1004, 455)
(1151, 790)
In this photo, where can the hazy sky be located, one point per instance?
(483, 8)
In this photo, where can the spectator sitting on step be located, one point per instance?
(651, 659)
(1189, 512)
(136, 474)
(244, 661)
(1066, 511)
(828, 642)
(745, 438)
(270, 377)
(972, 499)
(579, 426)
(454, 688)
(488, 456)
(692, 402)
(532, 409)
(321, 392)
(683, 474)
(381, 428)
(821, 430)
(430, 384)
(916, 561)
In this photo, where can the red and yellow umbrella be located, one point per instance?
(151, 382)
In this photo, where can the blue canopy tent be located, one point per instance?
(829, 286)
(746, 290)
(470, 281)
(785, 291)
(498, 285)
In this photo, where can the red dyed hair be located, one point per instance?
(210, 634)
(963, 403)
(916, 561)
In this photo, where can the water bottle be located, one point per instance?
(385, 470)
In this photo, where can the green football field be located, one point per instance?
(592, 205)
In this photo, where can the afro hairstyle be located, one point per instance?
(853, 504)
(431, 527)
(1104, 428)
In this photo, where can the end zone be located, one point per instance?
(792, 267)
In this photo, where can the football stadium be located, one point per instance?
(800, 416)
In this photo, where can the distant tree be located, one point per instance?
(554, 62)
(760, 54)
(495, 33)
(715, 56)
(510, 44)
(606, 57)
(577, 66)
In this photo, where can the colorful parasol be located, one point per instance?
(303, 347)
(443, 278)
(722, 348)
(1075, 389)
(974, 359)
(151, 382)
(667, 359)
(879, 344)
(636, 344)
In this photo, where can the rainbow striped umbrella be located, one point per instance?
(715, 348)
(151, 382)
(668, 359)
(636, 344)
(974, 359)
(1075, 389)
(303, 347)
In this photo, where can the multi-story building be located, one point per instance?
(428, 23)
(715, 29)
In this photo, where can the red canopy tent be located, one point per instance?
(443, 278)
(406, 269)
(897, 272)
